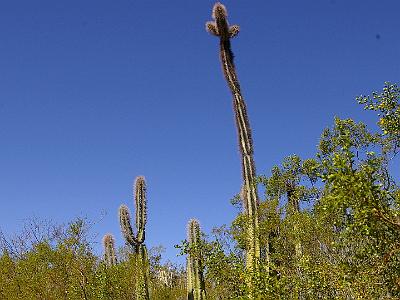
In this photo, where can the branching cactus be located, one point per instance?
(109, 250)
(194, 264)
(137, 240)
(141, 216)
(220, 28)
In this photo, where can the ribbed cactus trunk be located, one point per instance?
(137, 240)
(142, 277)
(194, 264)
(110, 257)
(220, 27)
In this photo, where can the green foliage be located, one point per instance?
(289, 182)
(62, 265)
(50, 271)
(388, 105)
(343, 243)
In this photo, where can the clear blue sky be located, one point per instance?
(94, 93)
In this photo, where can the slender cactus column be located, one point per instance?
(109, 250)
(194, 264)
(220, 28)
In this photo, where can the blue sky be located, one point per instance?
(94, 93)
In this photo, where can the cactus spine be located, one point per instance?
(194, 264)
(220, 28)
(109, 250)
(137, 240)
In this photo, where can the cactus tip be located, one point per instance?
(140, 179)
(219, 11)
(107, 239)
(123, 210)
(193, 225)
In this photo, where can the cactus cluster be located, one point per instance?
(136, 240)
(221, 28)
(194, 264)
(110, 257)
(195, 280)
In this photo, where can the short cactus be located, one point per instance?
(194, 265)
(137, 240)
(220, 28)
(109, 250)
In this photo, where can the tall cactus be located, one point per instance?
(220, 28)
(194, 264)
(109, 250)
(137, 240)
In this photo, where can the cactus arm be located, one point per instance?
(211, 27)
(126, 228)
(233, 31)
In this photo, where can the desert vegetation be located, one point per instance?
(326, 227)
